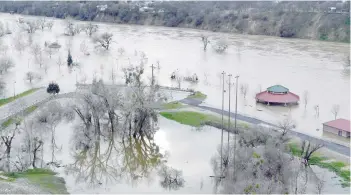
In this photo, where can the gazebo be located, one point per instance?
(277, 94)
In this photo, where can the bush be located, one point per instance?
(53, 88)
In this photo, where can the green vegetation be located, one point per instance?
(14, 120)
(198, 95)
(334, 166)
(10, 99)
(255, 155)
(197, 119)
(172, 105)
(45, 178)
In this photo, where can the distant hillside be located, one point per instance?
(328, 21)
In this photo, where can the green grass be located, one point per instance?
(198, 95)
(173, 105)
(45, 178)
(335, 166)
(197, 119)
(10, 99)
(13, 120)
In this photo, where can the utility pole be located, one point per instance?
(223, 74)
(152, 73)
(229, 86)
(236, 111)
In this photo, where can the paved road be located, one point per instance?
(328, 144)
(22, 103)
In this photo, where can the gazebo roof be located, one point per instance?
(277, 89)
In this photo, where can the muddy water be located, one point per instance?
(259, 60)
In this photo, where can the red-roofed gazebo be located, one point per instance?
(277, 94)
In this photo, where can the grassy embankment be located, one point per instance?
(15, 119)
(195, 119)
(340, 168)
(13, 98)
(44, 178)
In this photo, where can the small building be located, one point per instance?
(331, 9)
(340, 127)
(277, 94)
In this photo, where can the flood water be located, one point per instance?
(260, 61)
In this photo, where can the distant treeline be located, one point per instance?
(310, 20)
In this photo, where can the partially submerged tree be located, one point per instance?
(205, 41)
(30, 26)
(121, 51)
(244, 89)
(104, 40)
(84, 48)
(41, 22)
(5, 64)
(305, 98)
(53, 88)
(91, 28)
(335, 110)
(69, 59)
(19, 42)
(30, 76)
(220, 46)
(50, 24)
(7, 135)
(50, 51)
(286, 125)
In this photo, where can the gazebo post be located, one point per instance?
(267, 103)
(285, 104)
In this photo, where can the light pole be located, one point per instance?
(152, 74)
(223, 74)
(229, 86)
(236, 110)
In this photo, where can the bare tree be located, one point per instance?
(305, 98)
(316, 109)
(104, 40)
(335, 110)
(113, 76)
(5, 64)
(19, 42)
(50, 24)
(121, 50)
(36, 50)
(30, 26)
(41, 23)
(320, 185)
(50, 51)
(2, 87)
(286, 125)
(84, 48)
(243, 89)
(91, 28)
(30, 76)
(59, 62)
(220, 46)
(7, 136)
(179, 81)
(308, 148)
(205, 41)
(71, 28)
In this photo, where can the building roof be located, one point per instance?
(340, 123)
(278, 89)
(277, 98)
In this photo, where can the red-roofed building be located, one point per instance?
(339, 127)
(277, 94)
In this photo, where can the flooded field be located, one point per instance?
(259, 60)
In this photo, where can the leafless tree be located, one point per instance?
(71, 28)
(59, 62)
(36, 50)
(308, 148)
(2, 29)
(84, 48)
(104, 40)
(7, 136)
(244, 89)
(220, 46)
(305, 98)
(30, 26)
(30, 76)
(2, 87)
(316, 109)
(50, 24)
(41, 23)
(335, 110)
(19, 42)
(3, 47)
(91, 28)
(113, 76)
(205, 41)
(50, 51)
(171, 179)
(286, 125)
(179, 81)
(121, 50)
(5, 64)
(320, 185)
